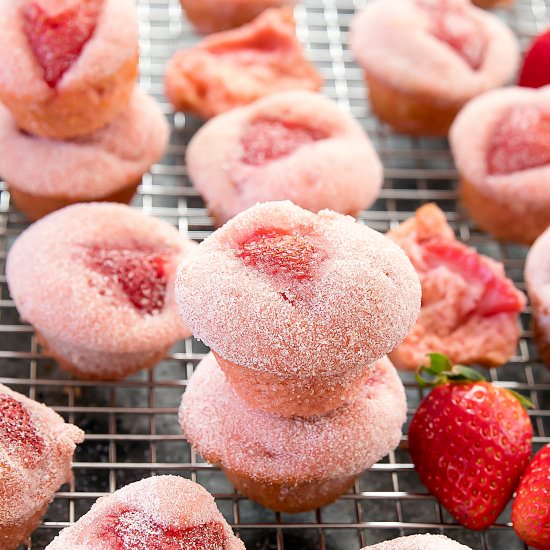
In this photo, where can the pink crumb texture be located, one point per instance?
(295, 145)
(360, 298)
(236, 67)
(269, 448)
(450, 50)
(470, 310)
(89, 167)
(419, 542)
(158, 513)
(96, 282)
(36, 450)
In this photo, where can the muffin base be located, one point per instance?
(407, 113)
(488, 4)
(11, 536)
(542, 341)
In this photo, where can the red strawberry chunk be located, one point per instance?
(58, 31)
(535, 71)
(140, 273)
(17, 430)
(266, 140)
(498, 294)
(521, 140)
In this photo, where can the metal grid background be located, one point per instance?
(131, 426)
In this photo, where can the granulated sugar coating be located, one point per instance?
(361, 298)
(36, 449)
(419, 542)
(158, 513)
(96, 281)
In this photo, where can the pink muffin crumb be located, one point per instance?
(234, 68)
(158, 513)
(470, 309)
(419, 542)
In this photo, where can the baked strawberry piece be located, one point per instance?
(296, 305)
(470, 309)
(67, 66)
(158, 513)
(419, 542)
(292, 464)
(36, 449)
(293, 145)
(464, 51)
(106, 165)
(501, 146)
(535, 69)
(234, 68)
(95, 280)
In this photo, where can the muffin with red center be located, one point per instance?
(96, 282)
(159, 513)
(470, 309)
(294, 145)
(501, 146)
(234, 68)
(297, 305)
(106, 165)
(424, 59)
(36, 450)
(67, 67)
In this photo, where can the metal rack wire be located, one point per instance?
(131, 426)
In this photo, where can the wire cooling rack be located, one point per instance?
(131, 426)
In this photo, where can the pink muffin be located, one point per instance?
(424, 59)
(419, 542)
(234, 68)
(292, 464)
(158, 513)
(44, 175)
(537, 278)
(297, 305)
(213, 16)
(293, 145)
(501, 145)
(36, 450)
(67, 67)
(96, 282)
(470, 309)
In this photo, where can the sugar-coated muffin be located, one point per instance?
(44, 175)
(470, 309)
(292, 464)
(424, 59)
(537, 279)
(234, 68)
(158, 513)
(67, 67)
(297, 305)
(214, 15)
(419, 542)
(96, 282)
(294, 145)
(36, 450)
(501, 146)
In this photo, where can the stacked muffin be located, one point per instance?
(299, 309)
(67, 80)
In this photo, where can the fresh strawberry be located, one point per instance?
(535, 70)
(531, 509)
(58, 31)
(470, 442)
(521, 140)
(498, 294)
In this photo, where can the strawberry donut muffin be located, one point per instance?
(213, 16)
(67, 67)
(106, 165)
(36, 450)
(293, 145)
(537, 279)
(297, 305)
(470, 309)
(96, 282)
(424, 59)
(419, 542)
(234, 68)
(292, 464)
(159, 513)
(501, 147)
